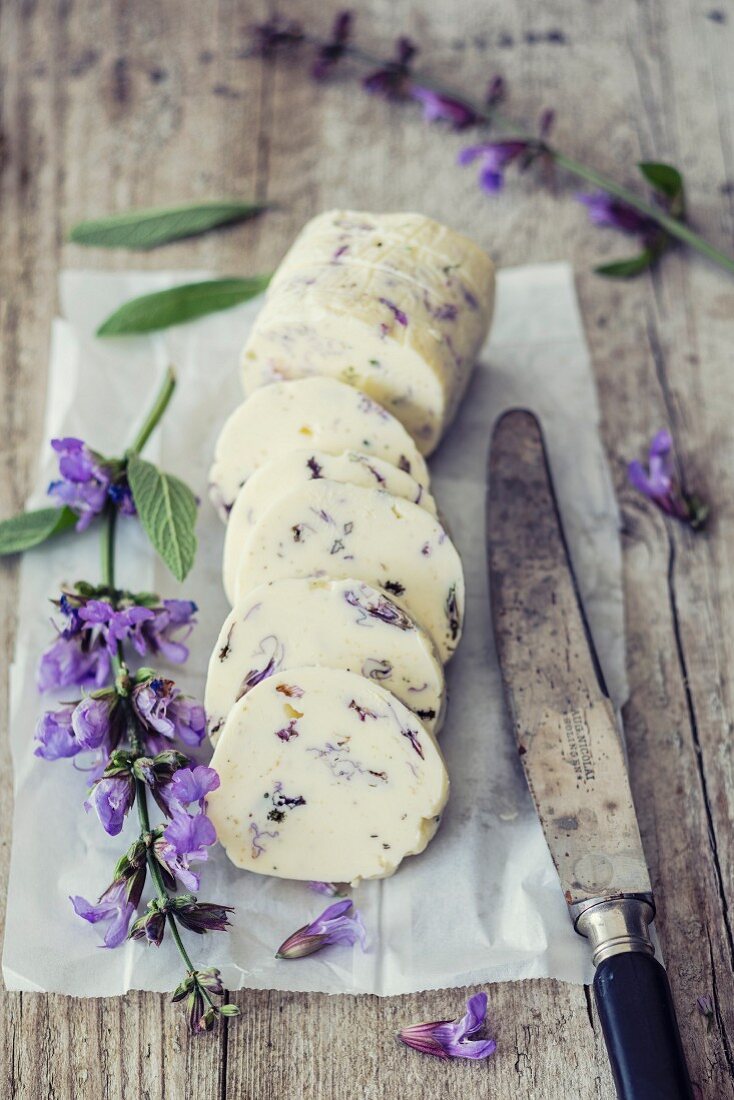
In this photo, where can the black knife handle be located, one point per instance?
(640, 1029)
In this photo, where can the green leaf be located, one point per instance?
(627, 269)
(664, 177)
(32, 528)
(180, 304)
(167, 511)
(151, 228)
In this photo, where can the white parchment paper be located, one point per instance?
(483, 903)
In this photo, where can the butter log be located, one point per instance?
(396, 305)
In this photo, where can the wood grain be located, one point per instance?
(109, 105)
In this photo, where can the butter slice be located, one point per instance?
(333, 624)
(279, 476)
(325, 776)
(310, 412)
(340, 531)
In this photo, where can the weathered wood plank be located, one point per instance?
(104, 107)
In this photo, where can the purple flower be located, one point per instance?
(274, 35)
(151, 925)
(112, 796)
(453, 1038)
(192, 785)
(660, 485)
(339, 924)
(92, 720)
(114, 907)
(393, 81)
(76, 659)
(203, 916)
(84, 480)
(163, 710)
(330, 889)
(443, 108)
(170, 625)
(185, 839)
(496, 91)
(331, 52)
(117, 626)
(606, 210)
(121, 496)
(128, 624)
(55, 734)
(495, 156)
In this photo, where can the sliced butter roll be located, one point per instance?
(311, 412)
(335, 624)
(342, 531)
(279, 476)
(325, 776)
(387, 314)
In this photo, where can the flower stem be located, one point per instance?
(107, 546)
(671, 225)
(509, 129)
(141, 798)
(156, 412)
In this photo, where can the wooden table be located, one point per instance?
(111, 105)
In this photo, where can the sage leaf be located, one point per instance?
(664, 177)
(30, 529)
(180, 304)
(145, 229)
(627, 269)
(167, 510)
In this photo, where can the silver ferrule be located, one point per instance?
(615, 925)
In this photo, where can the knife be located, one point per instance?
(574, 762)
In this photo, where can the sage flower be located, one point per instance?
(84, 481)
(660, 485)
(438, 107)
(184, 840)
(168, 628)
(393, 81)
(606, 210)
(274, 35)
(92, 720)
(55, 734)
(79, 656)
(494, 157)
(338, 924)
(112, 797)
(330, 889)
(151, 924)
(331, 52)
(163, 710)
(201, 916)
(113, 908)
(496, 91)
(190, 785)
(462, 1038)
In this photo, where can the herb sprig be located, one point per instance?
(132, 725)
(659, 222)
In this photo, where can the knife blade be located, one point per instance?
(573, 757)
